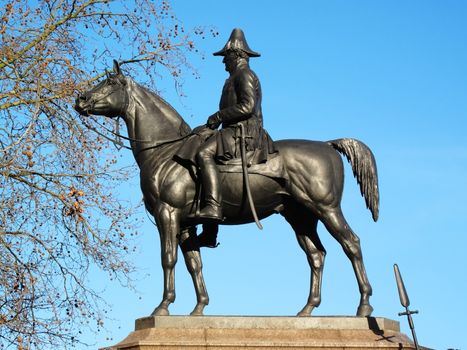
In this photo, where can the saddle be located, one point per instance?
(273, 167)
(186, 156)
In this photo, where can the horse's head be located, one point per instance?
(108, 98)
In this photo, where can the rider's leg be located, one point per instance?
(212, 210)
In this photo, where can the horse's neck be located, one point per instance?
(150, 118)
(151, 121)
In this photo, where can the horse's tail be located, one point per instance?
(364, 169)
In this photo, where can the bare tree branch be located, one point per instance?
(59, 212)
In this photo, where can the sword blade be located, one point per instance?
(246, 178)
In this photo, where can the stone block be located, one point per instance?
(254, 333)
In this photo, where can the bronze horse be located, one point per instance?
(312, 191)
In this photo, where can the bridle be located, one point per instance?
(109, 81)
(116, 133)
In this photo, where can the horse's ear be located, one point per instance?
(116, 67)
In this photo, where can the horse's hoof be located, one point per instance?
(198, 311)
(160, 311)
(306, 311)
(364, 310)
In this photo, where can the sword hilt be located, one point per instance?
(408, 312)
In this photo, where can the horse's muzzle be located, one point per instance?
(81, 105)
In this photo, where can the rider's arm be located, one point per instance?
(245, 86)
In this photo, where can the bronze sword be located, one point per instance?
(245, 176)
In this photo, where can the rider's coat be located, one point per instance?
(240, 103)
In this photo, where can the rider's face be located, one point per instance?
(230, 61)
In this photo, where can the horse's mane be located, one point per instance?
(172, 113)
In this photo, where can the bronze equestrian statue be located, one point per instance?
(303, 182)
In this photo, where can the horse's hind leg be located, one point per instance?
(190, 248)
(336, 224)
(167, 219)
(304, 224)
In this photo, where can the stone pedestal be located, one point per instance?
(251, 333)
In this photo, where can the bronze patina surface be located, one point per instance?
(306, 189)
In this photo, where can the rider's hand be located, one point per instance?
(214, 121)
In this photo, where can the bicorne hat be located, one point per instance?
(237, 41)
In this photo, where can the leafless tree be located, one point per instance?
(59, 213)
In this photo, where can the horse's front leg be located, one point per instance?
(191, 252)
(168, 224)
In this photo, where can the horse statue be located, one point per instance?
(311, 191)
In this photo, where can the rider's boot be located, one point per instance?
(208, 238)
(212, 210)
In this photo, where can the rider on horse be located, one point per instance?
(240, 104)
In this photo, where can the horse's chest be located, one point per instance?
(169, 184)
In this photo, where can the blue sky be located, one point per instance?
(390, 73)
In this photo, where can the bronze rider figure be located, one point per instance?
(240, 103)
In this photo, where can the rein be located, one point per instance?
(161, 143)
(116, 133)
(120, 144)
